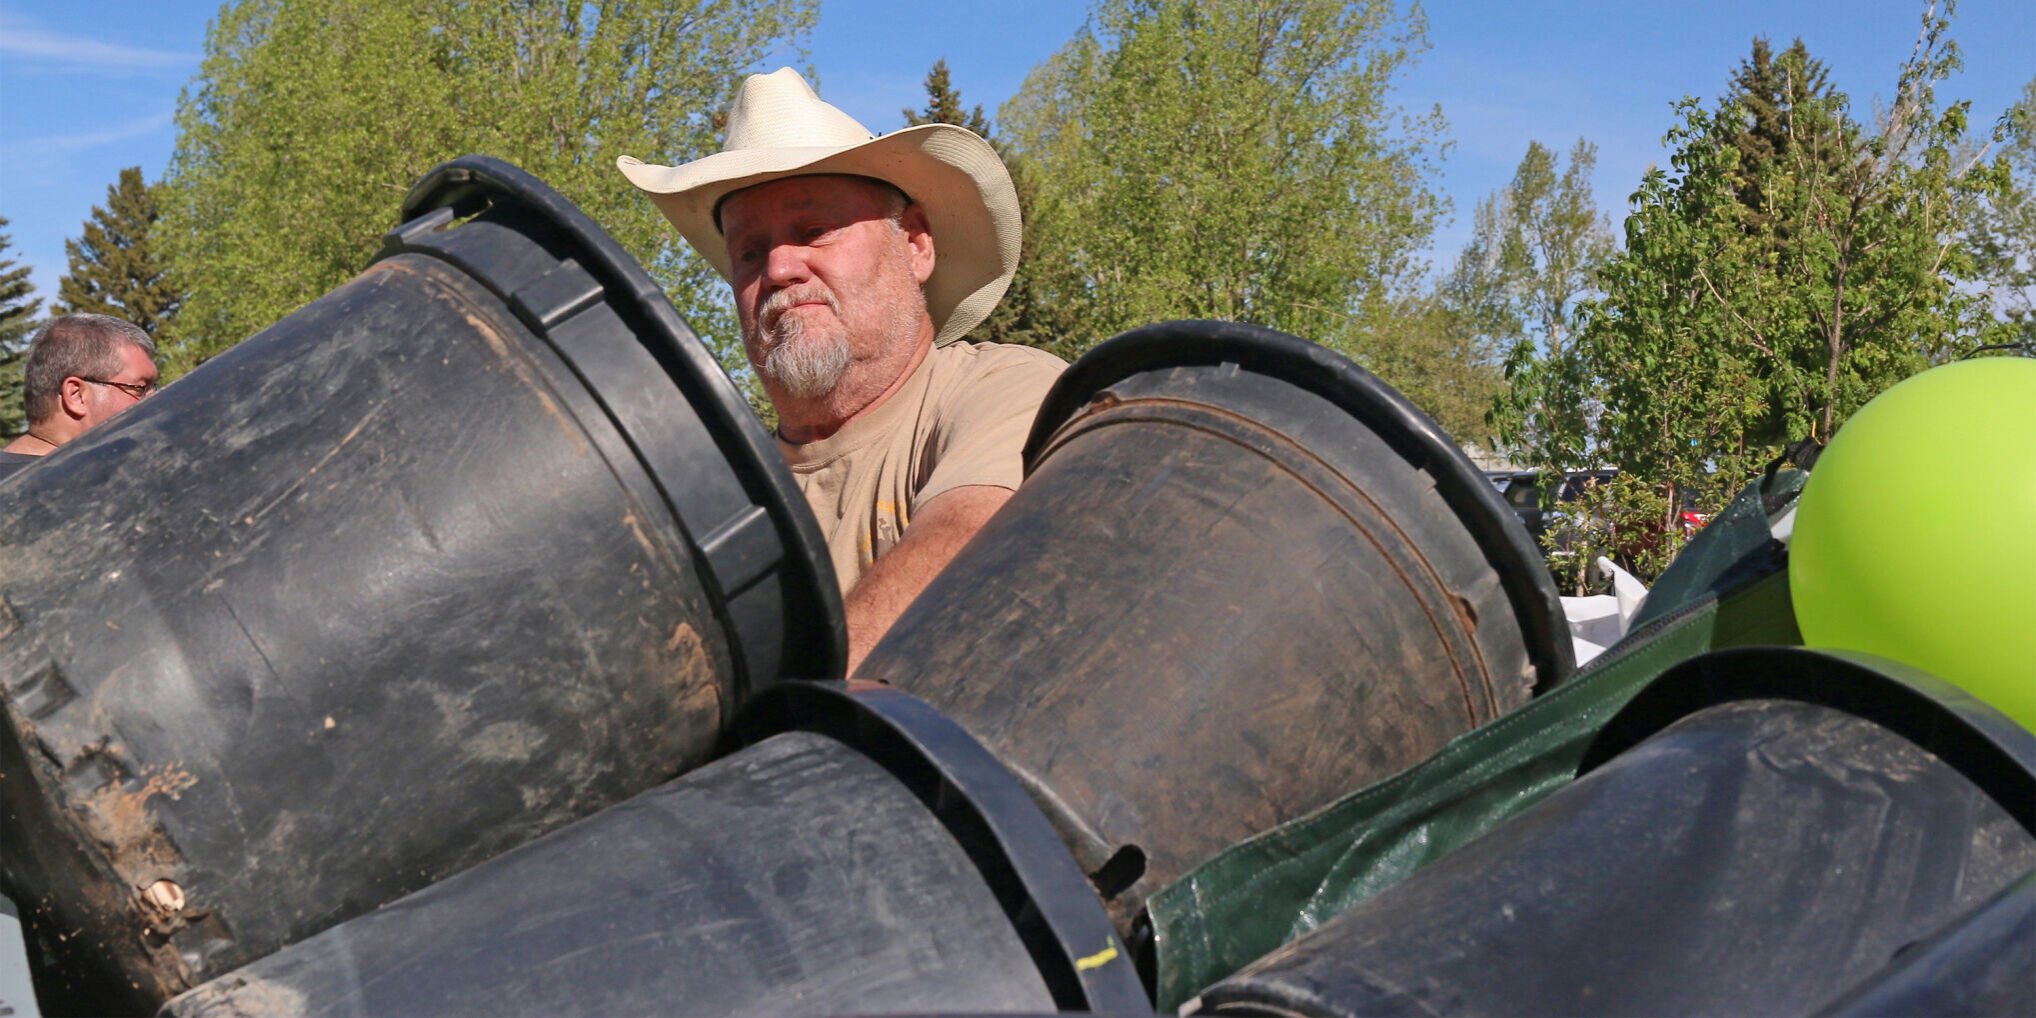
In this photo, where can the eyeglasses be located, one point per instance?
(138, 390)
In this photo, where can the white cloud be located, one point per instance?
(108, 135)
(81, 52)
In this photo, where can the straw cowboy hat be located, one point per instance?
(780, 128)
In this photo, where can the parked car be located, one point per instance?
(1522, 491)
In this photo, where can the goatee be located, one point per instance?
(803, 364)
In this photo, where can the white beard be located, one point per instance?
(804, 365)
(809, 363)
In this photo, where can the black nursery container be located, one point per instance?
(1242, 577)
(862, 856)
(1760, 831)
(1984, 964)
(476, 544)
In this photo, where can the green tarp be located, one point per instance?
(1728, 588)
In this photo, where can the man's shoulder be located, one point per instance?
(972, 383)
(12, 462)
(966, 362)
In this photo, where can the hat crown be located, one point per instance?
(780, 110)
(779, 127)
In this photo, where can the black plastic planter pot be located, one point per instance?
(476, 544)
(1984, 964)
(1242, 577)
(864, 856)
(1760, 831)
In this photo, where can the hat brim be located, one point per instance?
(956, 177)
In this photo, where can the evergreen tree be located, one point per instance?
(18, 309)
(944, 106)
(115, 267)
(1782, 100)
(1016, 318)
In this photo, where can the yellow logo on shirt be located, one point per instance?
(888, 527)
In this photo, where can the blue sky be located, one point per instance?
(92, 87)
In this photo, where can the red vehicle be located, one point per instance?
(1692, 521)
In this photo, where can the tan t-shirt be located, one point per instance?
(961, 419)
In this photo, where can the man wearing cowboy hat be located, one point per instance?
(857, 264)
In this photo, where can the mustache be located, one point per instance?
(775, 306)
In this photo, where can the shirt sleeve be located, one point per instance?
(980, 436)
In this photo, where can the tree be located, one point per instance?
(310, 119)
(944, 105)
(1234, 159)
(1016, 318)
(1721, 335)
(1537, 251)
(1771, 93)
(115, 266)
(18, 308)
(2001, 226)
(1437, 356)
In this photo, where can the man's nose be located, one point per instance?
(786, 264)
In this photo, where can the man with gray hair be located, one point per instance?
(81, 370)
(859, 265)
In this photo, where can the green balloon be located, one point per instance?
(1915, 537)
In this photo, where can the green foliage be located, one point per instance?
(310, 119)
(1016, 318)
(115, 268)
(1535, 252)
(18, 310)
(1436, 356)
(1233, 159)
(18, 304)
(1726, 330)
(1619, 519)
(944, 105)
(1772, 94)
(2001, 228)
(1444, 349)
(1672, 367)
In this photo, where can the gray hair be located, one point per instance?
(80, 345)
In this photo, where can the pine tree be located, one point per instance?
(943, 104)
(115, 269)
(1017, 318)
(1784, 102)
(18, 308)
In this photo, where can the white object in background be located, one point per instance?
(1594, 624)
(1785, 527)
(1626, 587)
(1598, 621)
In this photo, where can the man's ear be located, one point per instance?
(72, 397)
(919, 234)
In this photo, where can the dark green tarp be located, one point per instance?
(1729, 587)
